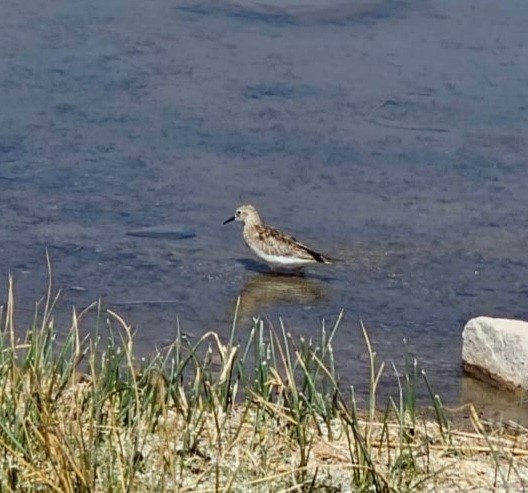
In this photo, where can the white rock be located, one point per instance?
(496, 350)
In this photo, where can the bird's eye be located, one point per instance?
(237, 213)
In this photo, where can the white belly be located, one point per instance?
(283, 261)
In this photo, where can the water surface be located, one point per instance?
(392, 135)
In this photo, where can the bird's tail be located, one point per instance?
(319, 257)
(326, 260)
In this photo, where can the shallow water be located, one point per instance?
(391, 135)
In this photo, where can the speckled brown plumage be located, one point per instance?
(274, 242)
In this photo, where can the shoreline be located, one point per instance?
(84, 413)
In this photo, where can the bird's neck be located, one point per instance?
(253, 221)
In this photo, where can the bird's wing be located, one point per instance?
(275, 242)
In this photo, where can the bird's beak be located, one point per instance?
(229, 220)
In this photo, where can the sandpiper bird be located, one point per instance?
(279, 250)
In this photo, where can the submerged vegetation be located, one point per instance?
(80, 414)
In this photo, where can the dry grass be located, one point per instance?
(251, 448)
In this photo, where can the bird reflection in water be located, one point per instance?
(266, 290)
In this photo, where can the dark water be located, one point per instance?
(390, 134)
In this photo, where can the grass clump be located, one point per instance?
(80, 414)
